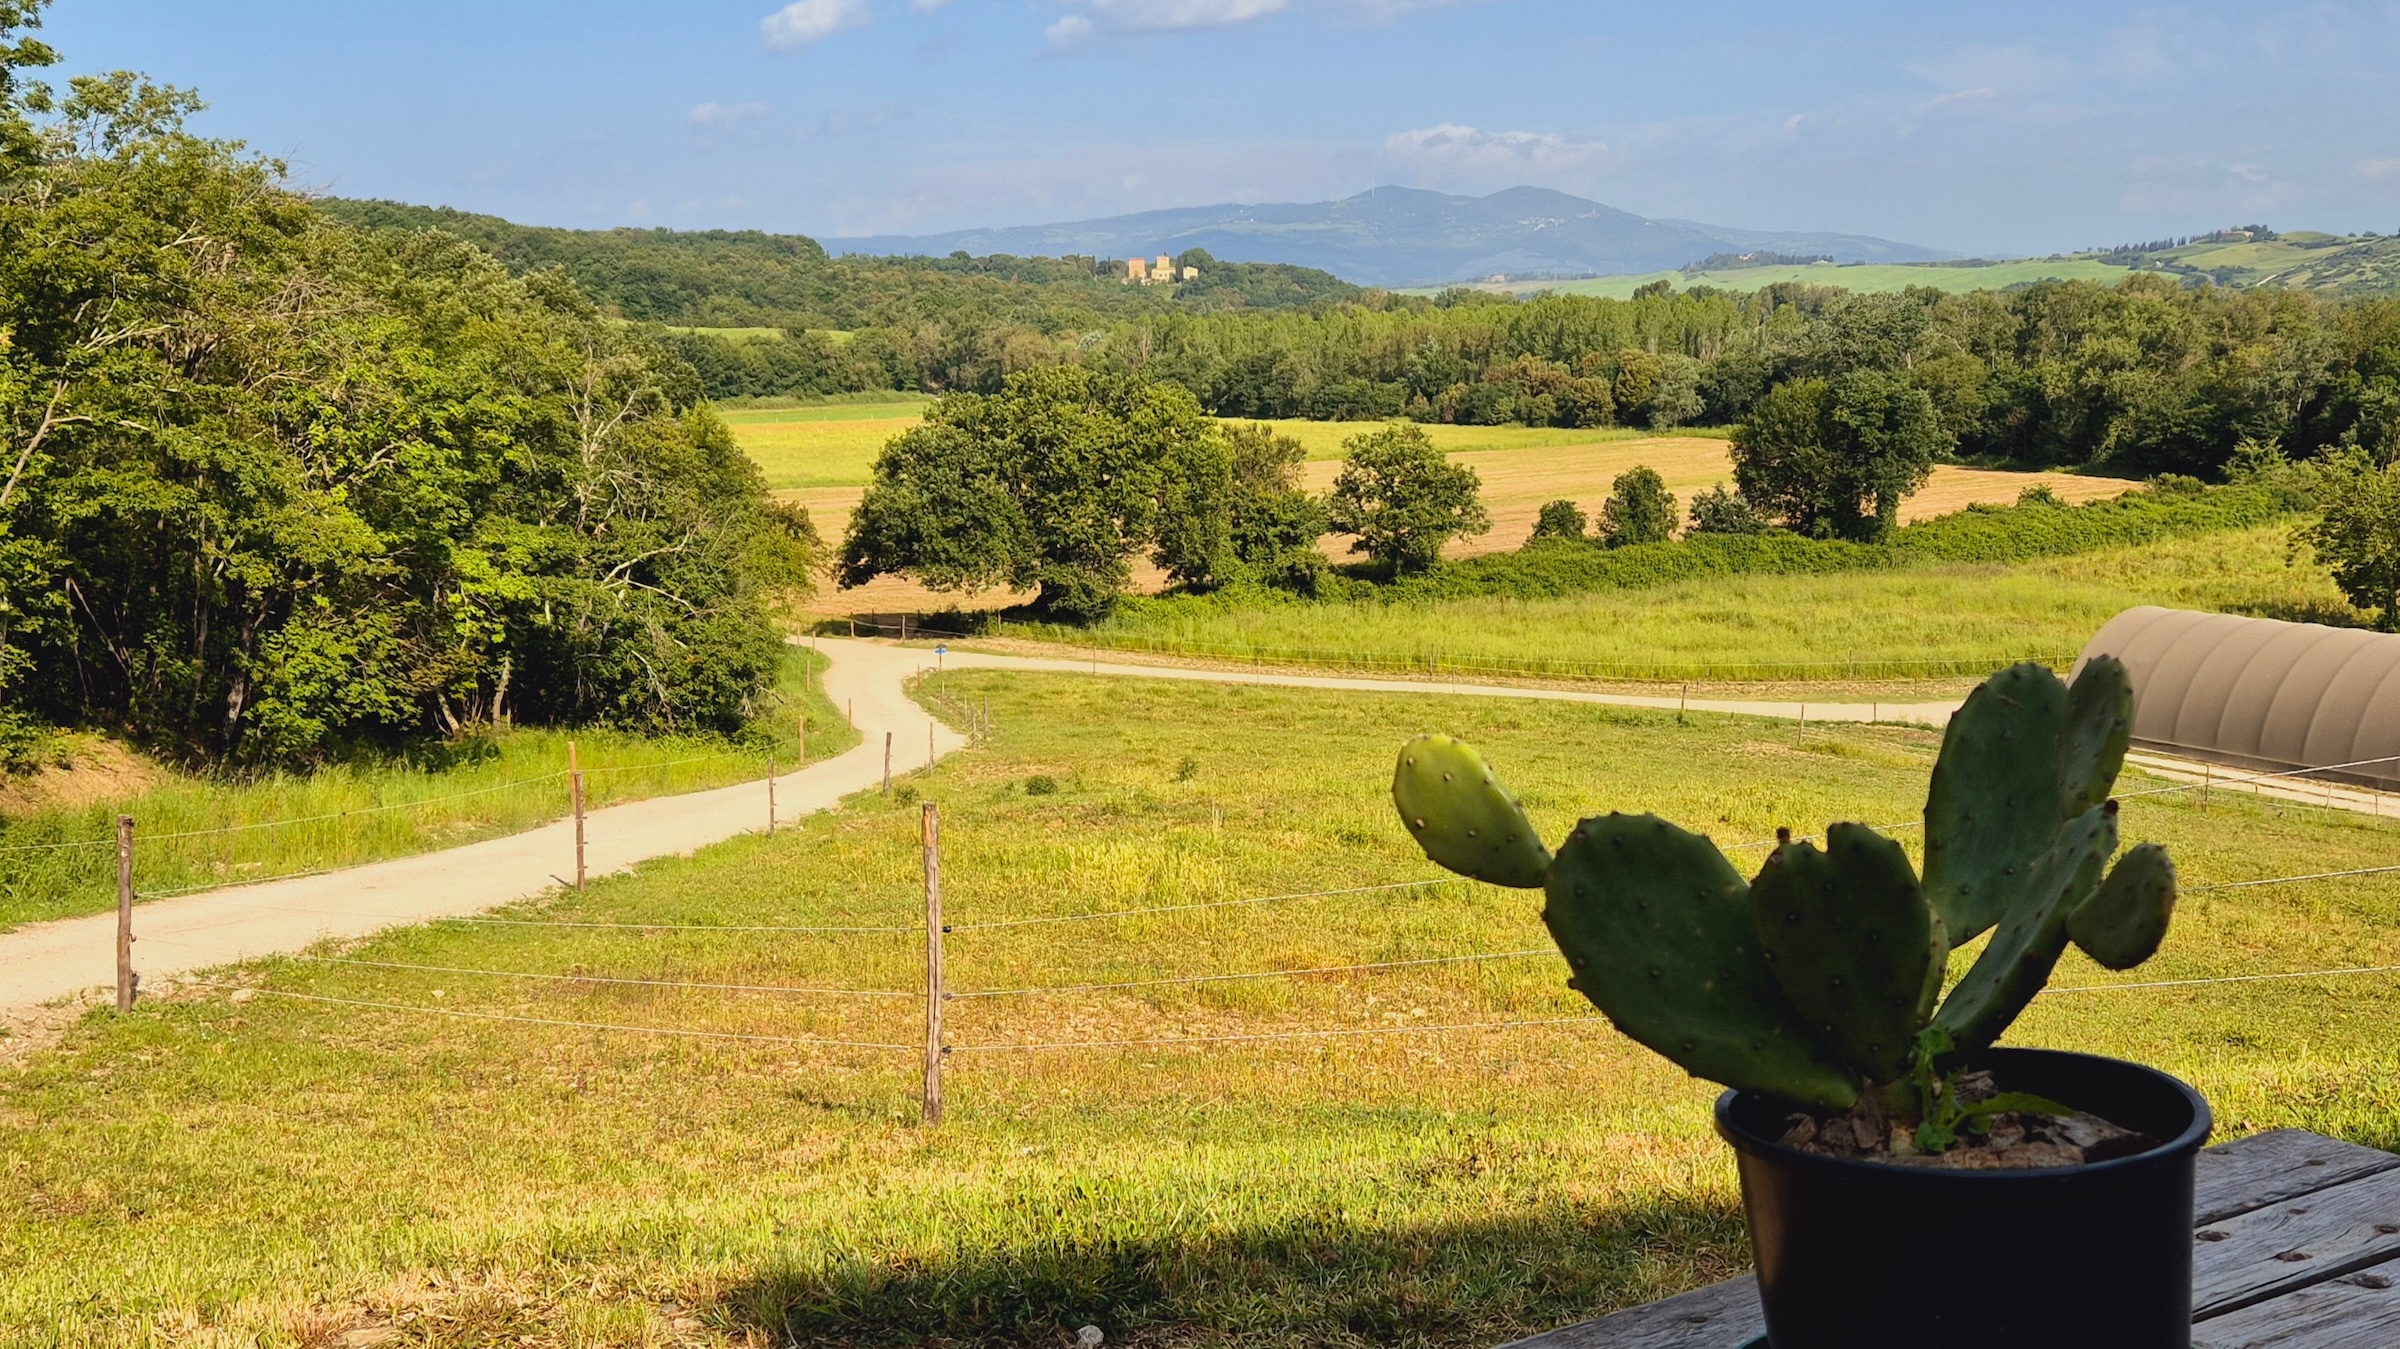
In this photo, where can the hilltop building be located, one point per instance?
(1158, 271)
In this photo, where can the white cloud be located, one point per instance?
(1069, 30)
(1451, 147)
(1171, 16)
(725, 114)
(2379, 168)
(805, 22)
(1088, 18)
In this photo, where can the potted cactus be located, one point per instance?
(1886, 1147)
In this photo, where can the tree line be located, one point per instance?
(2145, 375)
(273, 488)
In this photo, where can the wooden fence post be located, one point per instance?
(887, 763)
(575, 785)
(929, 747)
(770, 793)
(125, 975)
(932, 1106)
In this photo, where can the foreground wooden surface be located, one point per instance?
(2296, 1245)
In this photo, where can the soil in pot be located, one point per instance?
(2006, 1141)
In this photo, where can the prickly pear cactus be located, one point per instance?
(2122, 925)
(1655, 925)
(1463, 818)
(1853, 945)
(1818, 981)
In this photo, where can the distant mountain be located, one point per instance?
(1397, 236)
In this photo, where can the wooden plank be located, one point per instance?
(2266, 1252)
(2357, 1311)
(1720, 1316)
(2274, 1166)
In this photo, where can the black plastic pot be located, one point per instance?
(1859, 1255)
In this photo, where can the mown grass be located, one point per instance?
(195, 832)
(820, 445)
(1765, 626)
(253, 1168)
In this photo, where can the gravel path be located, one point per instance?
(66, 960)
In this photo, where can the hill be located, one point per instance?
(1397, 236)
(2344, 264)
(751, 279)
(2339, 264)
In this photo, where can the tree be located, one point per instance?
(1053, 483)
(1404, 500)
(1639, 509)
(2359, 538)
(1274, 522)
(276, 489)
(1718, 511)
(1560, 520)
(1835, 458)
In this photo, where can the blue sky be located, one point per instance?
(1991, 128)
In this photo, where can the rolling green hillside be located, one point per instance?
(746, 279)
(2340, 264)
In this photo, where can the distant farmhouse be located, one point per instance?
(1159, 271)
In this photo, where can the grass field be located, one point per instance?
(1772, 626)
(235, 830)
(820, 445)
(256, 1168)
(1866, 277)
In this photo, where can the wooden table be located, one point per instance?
(2297, 1246)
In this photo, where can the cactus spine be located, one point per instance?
(1818, 980)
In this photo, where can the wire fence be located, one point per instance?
(175, 862)
(939, 1046)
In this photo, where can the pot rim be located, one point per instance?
(2188, 1139)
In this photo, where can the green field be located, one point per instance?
(1763, 626)
(823, 444)
(198, 832)
(1869, 277)
(255, 1168)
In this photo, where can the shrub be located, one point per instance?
(1722, 511)
(1041, 784)
(1639, 509)
(1559, 520)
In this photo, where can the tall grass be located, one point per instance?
(1916, 622)
(253, 1168)
(199, 832)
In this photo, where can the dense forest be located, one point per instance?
(2152, 374)
(277, 488)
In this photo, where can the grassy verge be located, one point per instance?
(196, 833)
(255, 1168)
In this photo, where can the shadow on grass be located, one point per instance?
(1322, 1281)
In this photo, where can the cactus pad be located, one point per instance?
(1460, 815)
(2122, 924)
(1995, 803)
(1655, 924)
(2098, 730)
(2031, 935)
(1853, 945)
